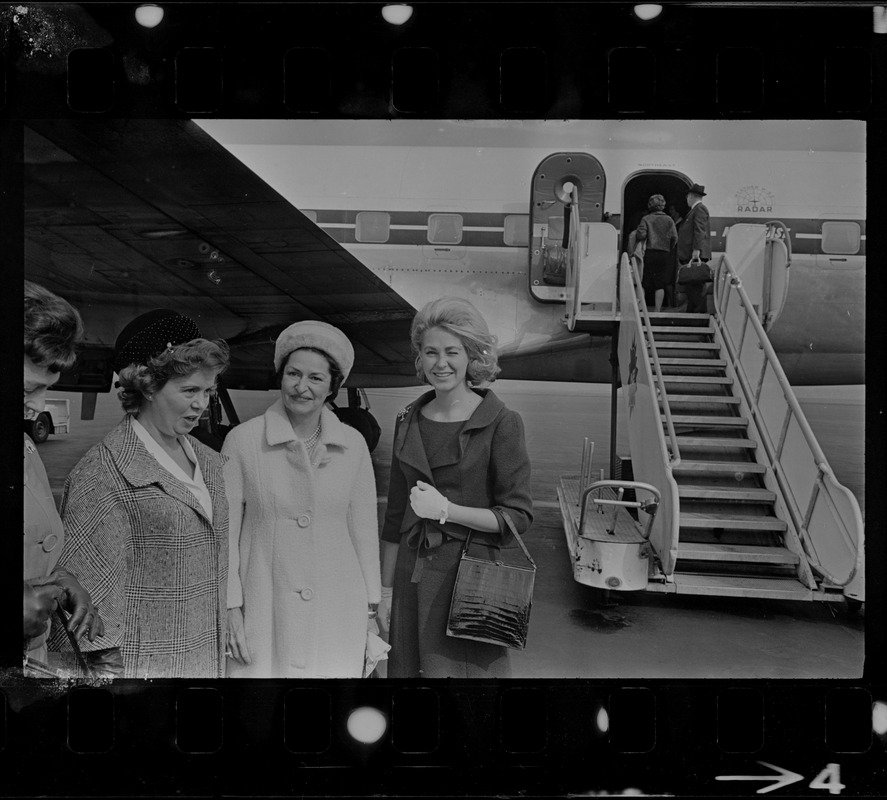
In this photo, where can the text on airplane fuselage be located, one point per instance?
(755, 209)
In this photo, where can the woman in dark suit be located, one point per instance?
(658, 232)
(146, 515)
(459, 464)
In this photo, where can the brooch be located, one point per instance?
(402, 414)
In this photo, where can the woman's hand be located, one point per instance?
(85, 619)
(427, 502)
(39, 600)
(237, 648)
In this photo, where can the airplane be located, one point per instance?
(249, 225)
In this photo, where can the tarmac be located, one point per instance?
(642, 635)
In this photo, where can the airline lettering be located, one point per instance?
(754, 200)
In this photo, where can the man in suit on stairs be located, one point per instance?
(694, 242)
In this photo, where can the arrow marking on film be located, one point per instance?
(785, 778)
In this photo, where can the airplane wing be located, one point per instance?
(123, 216)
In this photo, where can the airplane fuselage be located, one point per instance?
(432, 218)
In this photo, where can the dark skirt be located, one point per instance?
(656, 269)
(420, 647)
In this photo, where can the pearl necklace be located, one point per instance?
(312, 439)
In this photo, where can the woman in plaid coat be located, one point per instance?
(145, 512)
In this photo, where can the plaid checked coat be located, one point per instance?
(140, 543)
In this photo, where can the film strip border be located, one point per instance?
(491, 59)
(486, 60)
(561, 738)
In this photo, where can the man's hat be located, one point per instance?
(696, 189)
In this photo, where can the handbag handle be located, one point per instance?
(513, 529)
(63, 620)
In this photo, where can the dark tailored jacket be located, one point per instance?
(492, 471)
(695, 234)
(658, 231)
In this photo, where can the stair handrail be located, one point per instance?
(574, 301)
(675, 458)
(825, 475)
(777, 229)
(647, 437)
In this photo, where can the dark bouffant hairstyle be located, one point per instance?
(139, 380)
(337, 377)
(463, 320)
(53, 329)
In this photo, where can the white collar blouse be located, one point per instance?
(196, 485)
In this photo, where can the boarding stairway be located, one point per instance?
(750, 506)
(731, 538)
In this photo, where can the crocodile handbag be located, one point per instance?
(491, 599)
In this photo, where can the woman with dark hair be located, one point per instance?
(657, 230)
(52, 332)
(304, 580)
(459, 465)
(146, 514)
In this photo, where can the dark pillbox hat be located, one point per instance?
(149, 334)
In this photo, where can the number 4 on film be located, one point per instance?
(829, 779)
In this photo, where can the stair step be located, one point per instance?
(693, 362)
(670, 345)
(702, 398)
(690, 521)
(679, 316)
(733, 586)
(733, 553)
(680, 329)
(725, 493)
(719, 467)
(722, 379)
(715, 441)
(702, 419)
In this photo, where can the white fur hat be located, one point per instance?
(314, 333)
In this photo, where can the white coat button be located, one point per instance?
(307, 594)
(49, 543)
(304, 521)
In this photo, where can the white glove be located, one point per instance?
(384, 610)
(428, 503)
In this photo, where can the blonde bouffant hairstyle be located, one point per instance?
(461, 319)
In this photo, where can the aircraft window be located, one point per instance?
(840, 237)
(312, 215)
(517, 230)
(372, 226)
(444, 228)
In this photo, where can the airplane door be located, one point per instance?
(553, 183)
(759, 254)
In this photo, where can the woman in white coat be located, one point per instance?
(304, 580)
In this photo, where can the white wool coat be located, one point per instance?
(304, 547)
